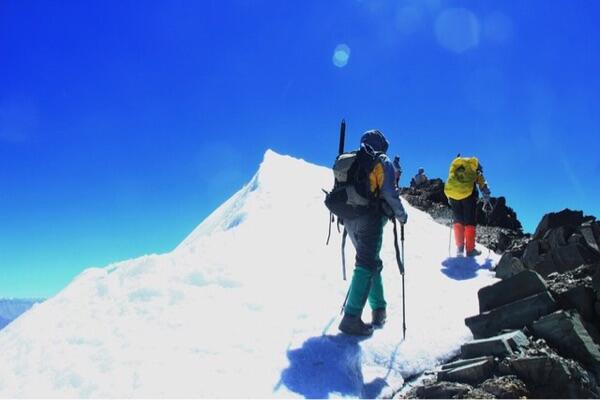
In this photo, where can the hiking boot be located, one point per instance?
(379, 317)
(460, 252)
(353, 325)
(473, 253)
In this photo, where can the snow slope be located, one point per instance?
(246, 306)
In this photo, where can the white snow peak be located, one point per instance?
(246, 306)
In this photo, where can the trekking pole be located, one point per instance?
(344, 235)
(400, 261)
(403, 290)
(450, 240)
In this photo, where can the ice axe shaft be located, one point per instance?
(400, 261)
(342, 137)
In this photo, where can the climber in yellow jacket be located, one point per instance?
(464, 176)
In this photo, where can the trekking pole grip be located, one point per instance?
(402, 232)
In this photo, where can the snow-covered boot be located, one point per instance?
(460, 251)
(353, 325)
(379, 317)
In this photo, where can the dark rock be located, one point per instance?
(501, 215)
(581, 276)
(479, 394)
(572, 256)
(506, 387)
(532, 254)
(511, 316)
(460, 363)
(591, 233)
(508, 266)
(566, 331)
(555, 220)
(553, 377)
(471, 373)
(443, 390)
(577, 238)
(596, 282)
(519, 286)
(501, 345)
(562, 259)
(580, 298)
(559, 236)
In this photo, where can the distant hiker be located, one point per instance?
(419, 179)
(381, 200)
(464, 176)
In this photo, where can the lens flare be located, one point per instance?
(341, 54)
(457, 29)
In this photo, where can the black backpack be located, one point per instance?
(351, 195)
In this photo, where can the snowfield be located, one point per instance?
(246, 306)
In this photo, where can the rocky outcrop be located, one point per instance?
(548, 300)
(562, 242)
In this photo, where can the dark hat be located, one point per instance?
(375, 140)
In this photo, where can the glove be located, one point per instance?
(403, 219)
(487, 203)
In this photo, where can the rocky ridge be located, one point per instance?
(537, 333)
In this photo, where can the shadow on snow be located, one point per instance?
(463, 268)
(329, 364)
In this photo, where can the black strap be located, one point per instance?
(398, 259)
(329, 233)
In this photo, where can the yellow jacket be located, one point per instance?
(464, 173)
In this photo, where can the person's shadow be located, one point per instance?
(326, 365)
(463, 268)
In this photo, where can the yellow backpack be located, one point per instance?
(461, 178)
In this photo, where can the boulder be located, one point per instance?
(508, 266)
(559, 236)
(551, 377)
(519, 286)
(596, 282)
(478, 393)
(571, 256)
(443, 390)
(591, 233)
(580, 298)
(471, 373)
(532, 254)
(566, 331)
(506, 387)
(562, 259)
(501, 345)
(515, 315)
(565, 217)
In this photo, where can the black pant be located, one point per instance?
(465, 210)
(366, 234)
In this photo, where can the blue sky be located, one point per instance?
(122, 126)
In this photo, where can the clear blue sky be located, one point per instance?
(124, 123)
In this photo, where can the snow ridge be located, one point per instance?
(252, 288)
